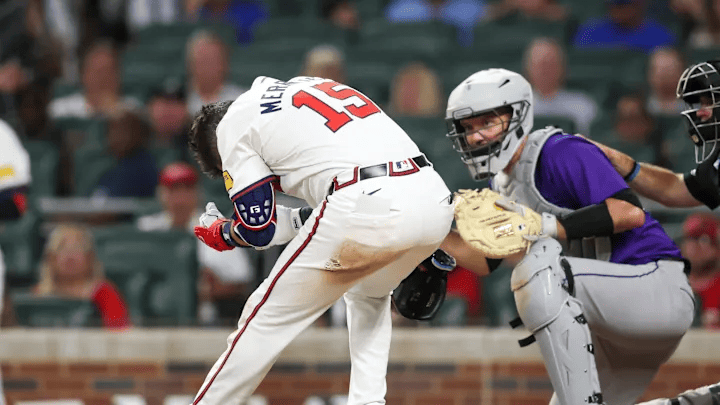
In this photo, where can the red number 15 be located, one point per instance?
(335, 119)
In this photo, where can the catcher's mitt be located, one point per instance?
(422, 292)
(496, 225)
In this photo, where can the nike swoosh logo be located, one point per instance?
(373, 192)
(504, 83)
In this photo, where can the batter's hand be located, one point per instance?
(215, 229)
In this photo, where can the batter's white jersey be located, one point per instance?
(14, 159)
(265, 132)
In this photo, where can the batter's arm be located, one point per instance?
(653, 182)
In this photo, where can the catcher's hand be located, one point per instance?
(497, 226)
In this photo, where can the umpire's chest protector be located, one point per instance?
(520, 186)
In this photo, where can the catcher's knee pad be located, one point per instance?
(556, 321)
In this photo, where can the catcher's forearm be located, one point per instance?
(465, 255)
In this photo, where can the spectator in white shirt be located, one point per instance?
(545, 69)
(101, 89)
(207, 65)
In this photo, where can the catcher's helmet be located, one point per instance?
(699, 87)
(483, 92)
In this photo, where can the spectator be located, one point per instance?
(207, 59)
(636, 132)
(100, 94)
(70, 269)
(225, 277)
(169, 117)
(325, 61)
(626, 25)
(341, 13)
(545, 69)
(35, 125)
(664, 70)
(548, 10)
(134, 173)
(242, 15)
(700, 246)
(462, 14)
(139, 14)
(13, 78)
(416, 91)
(702, 21)
(58, 27)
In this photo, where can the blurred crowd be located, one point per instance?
(101, 94)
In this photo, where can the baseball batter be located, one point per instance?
(699, 87)
(14, 180)
(380, 210)
(627, 281)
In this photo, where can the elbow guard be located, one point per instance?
(255, 219)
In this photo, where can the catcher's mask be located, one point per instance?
(699, 87)
(490, 91)
(422, 293)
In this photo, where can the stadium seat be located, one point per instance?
(46, 312)
(280, 61)
(155, 271)
(453, 312)
(44, 161)
(89, 164)
(143, 67)
(498, 299)
(680, 147)
(564, 123)
(408, 41)
(284, 29)
(21, 246)
(424, 131)
(214, 190)
(604, 72)
(702, 55)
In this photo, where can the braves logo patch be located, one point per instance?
(228, 180)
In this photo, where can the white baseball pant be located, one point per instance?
(359, 243)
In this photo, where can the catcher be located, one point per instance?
(607, 317)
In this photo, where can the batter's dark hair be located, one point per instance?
(203, 138)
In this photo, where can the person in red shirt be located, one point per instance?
(701, 245)
(71, 269)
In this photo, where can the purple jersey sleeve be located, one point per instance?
(574, 173)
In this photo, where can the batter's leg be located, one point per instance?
(369, 325)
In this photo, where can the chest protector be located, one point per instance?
(519, 185)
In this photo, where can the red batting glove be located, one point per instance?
(213, 235)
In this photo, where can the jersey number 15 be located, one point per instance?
(335, 119)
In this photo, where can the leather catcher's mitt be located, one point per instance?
(494, 224)
(422, 292)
